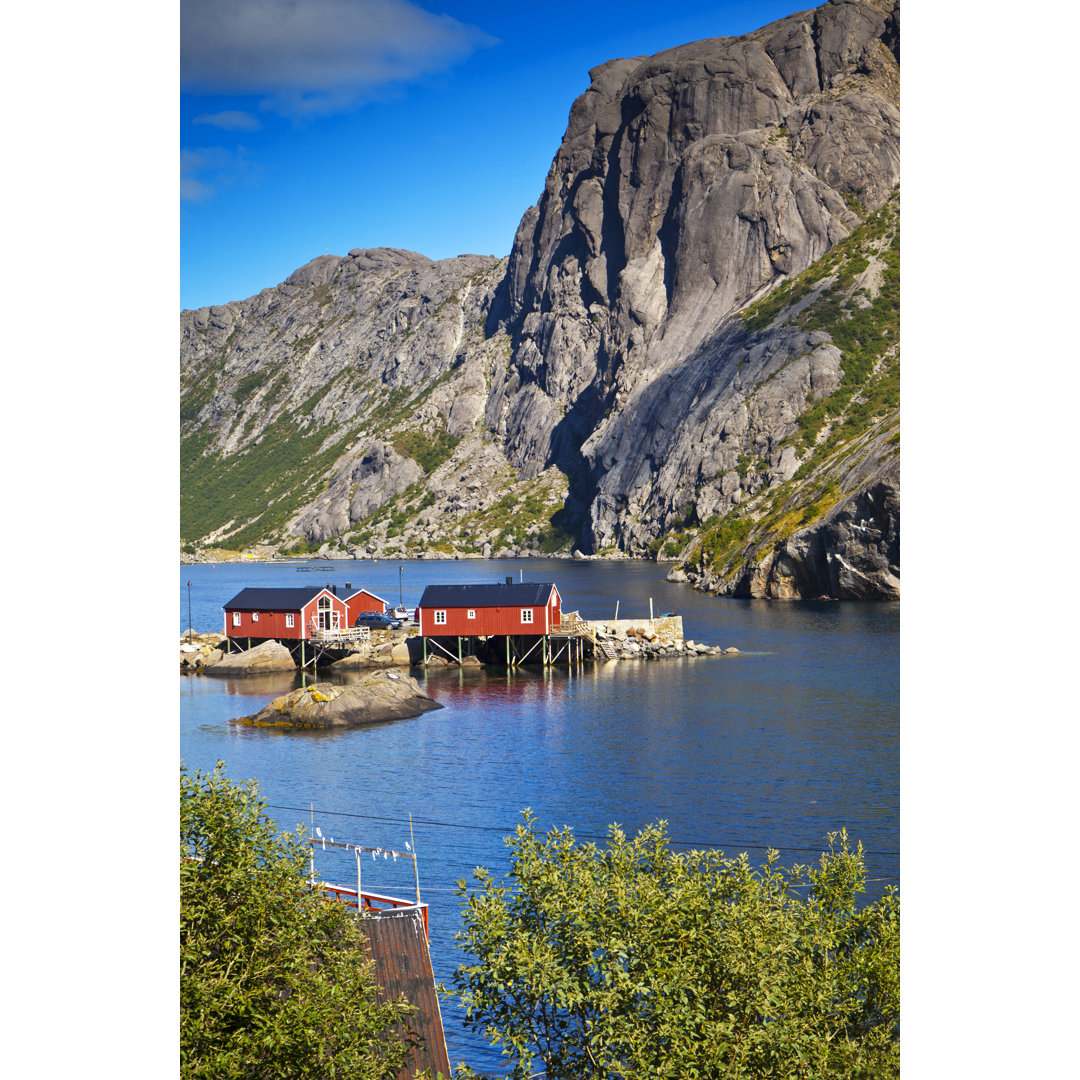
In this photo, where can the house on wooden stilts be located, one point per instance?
(521, 621)
(304, 619)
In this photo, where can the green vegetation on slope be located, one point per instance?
(524, 510)
(428, 449)
(259, 488)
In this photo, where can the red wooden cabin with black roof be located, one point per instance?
(358, 601)
(485, 610)
(284, 614)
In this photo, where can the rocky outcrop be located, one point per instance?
(198, 651)
(853, 555)
(627, 378)
(372, 699)
(687, 184)
(264, 659)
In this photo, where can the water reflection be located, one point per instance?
(775, 747)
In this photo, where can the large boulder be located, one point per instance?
(268, 657)
(382, 695)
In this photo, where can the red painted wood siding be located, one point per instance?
(364, 601)
(502, 620)
(271, 624)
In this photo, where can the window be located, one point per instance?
(440, 618)
(254, 616)
(471, 614)
(526, 614)
(290, 620)
(236, 618)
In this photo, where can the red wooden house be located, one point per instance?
(284, 614)
(358, 601)
(486, 610)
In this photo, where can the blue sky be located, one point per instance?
(326, 125)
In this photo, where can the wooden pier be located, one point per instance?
(571, 641)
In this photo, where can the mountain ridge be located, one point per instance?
(610, 385)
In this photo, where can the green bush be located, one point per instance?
(273, 978)
(636, 961)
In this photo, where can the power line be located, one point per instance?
(578, 835)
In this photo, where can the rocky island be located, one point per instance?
(379, 696)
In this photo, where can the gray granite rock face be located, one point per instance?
(605, 361)
(855, 555)
(687, 184)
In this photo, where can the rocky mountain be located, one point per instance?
(692, 351)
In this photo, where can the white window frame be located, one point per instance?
(470, 613)
(440, 618)
(236, 618)
(254, 616)
(290, 620)
(526, 615)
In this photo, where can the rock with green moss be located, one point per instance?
(376, 697)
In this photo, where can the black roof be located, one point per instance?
(516, 594)
(274, 599)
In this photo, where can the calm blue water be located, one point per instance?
(796, 737)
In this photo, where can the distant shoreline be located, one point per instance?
(346, 560)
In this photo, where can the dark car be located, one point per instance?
(377, 620)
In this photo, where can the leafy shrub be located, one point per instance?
(273, 977)
(636, 961)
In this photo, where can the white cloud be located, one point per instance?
(315, 55)
(206, 170)
(230, 120)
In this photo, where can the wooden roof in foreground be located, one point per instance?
(397, 943)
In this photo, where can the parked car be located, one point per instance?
(377, 620)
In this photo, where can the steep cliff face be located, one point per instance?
(693, 349)
(687, 184)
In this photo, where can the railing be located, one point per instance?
(572, 624)
(371, 901)
(341, 636)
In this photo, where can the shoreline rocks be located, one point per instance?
(203, 655)
(378, 697)
(633, 648)
(270, 656)
(199, 651)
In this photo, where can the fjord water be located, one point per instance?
(795, 737)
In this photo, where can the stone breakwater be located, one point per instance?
(648, 639)
(622, 639)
